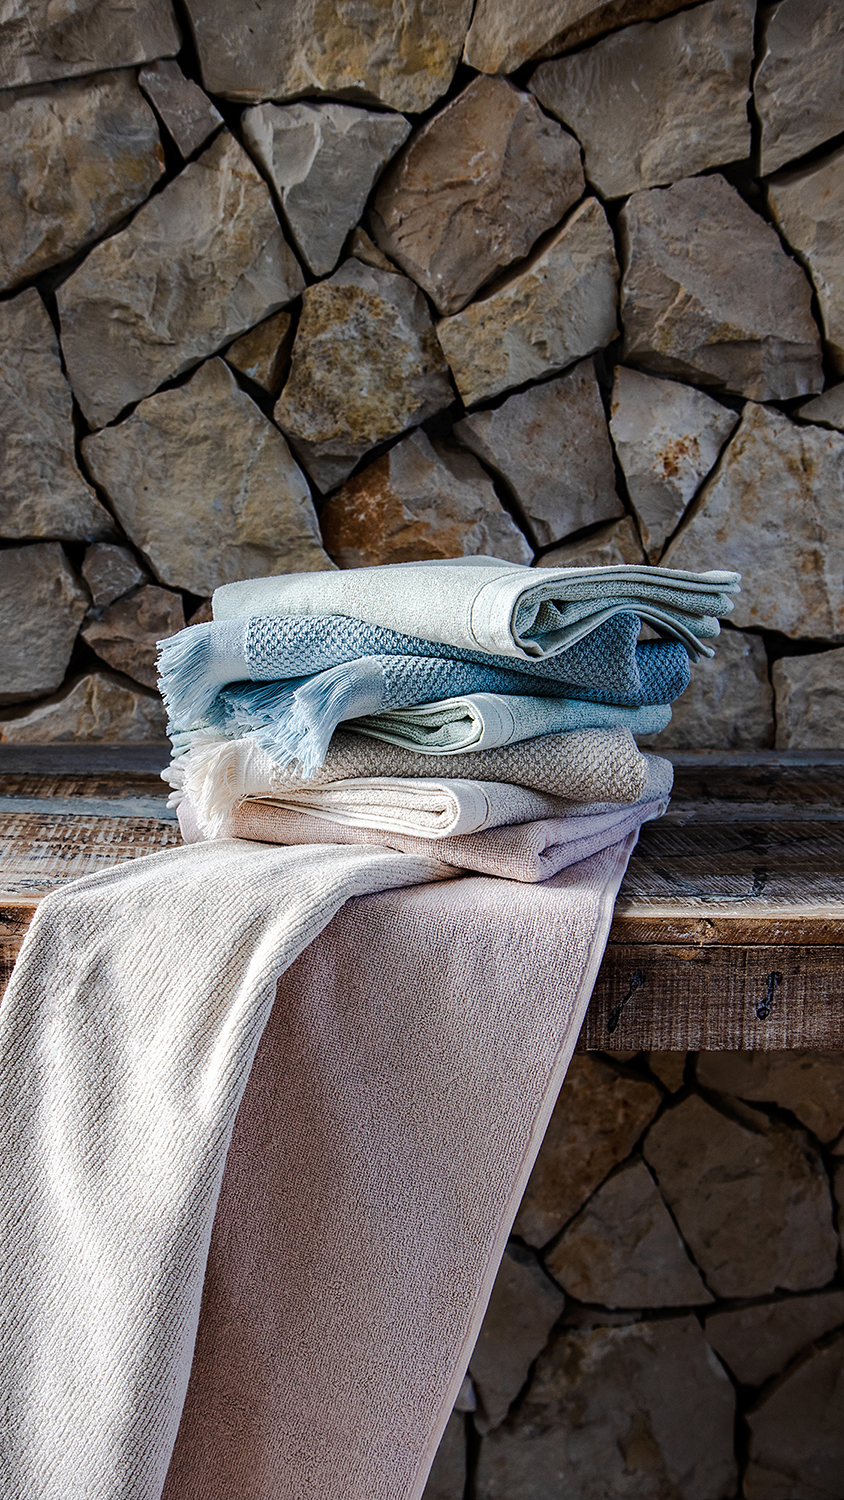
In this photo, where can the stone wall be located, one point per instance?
(295, 285)
(668, 1320)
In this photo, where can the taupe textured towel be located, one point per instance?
(396, 1106)
(587, 765)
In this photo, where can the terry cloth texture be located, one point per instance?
(606, 667)
(586, 766)
(126, 1039)
(523, 851)
(480, 721)
(394, 1113)
(487, 604)
(426, 809)
(295, 721)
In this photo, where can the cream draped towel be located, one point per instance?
(126, 1039)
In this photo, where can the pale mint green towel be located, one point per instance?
(484, 603)
(480, 721)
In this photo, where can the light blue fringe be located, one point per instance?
(185, 681)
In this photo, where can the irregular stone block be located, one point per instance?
(795, 1435)
(502, 37)
(264, 352)
(597, 1121)
(202, 261)
(401, 53)
(188, 114)
(126, 633)
(363, 248)
(524, 1306)
(639, 1411)
(466, 1398)
(827, 410)
(772, 509)
(366, 366)
(669, 1067)
(729, 703)
(551, 447)
(809, 1084)
(667, 437)
(557, 307)
(447, 1479)
(41, 608)
(322, 160)
(206, 486)
(99, 708)
(42, 493)
(623, 1250)
(476, 186)
(799, 83)
(681, 87)
(420, 500)
(758, 1342)
(808, 206)
(751, 1200)
(110, 571)
(810, 707)
(40, 40)
(605, 548)
(74, 159)
(709, 295)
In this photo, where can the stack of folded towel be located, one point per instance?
(474, 695)
(409, 1070)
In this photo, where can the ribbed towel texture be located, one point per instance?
(608, 666)
(397, 1103)
(126, 1038)
(487, 604)
(585, 766)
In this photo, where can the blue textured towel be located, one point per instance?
(607, 666)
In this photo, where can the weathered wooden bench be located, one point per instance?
(728, 931)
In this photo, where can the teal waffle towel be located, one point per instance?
(607, 666)
(294, 721)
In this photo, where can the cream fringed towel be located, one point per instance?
(387, 1133)
(126, 1039)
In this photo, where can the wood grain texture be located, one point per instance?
(741, 881)
(665, 998)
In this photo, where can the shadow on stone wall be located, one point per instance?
(669, 1315)
(563, 288)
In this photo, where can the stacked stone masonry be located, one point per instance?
(561, 283)
(668, 1319)
(287, 287)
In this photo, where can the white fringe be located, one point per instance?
(215, 778)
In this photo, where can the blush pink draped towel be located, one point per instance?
(391, 1121)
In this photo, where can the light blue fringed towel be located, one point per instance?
(607, 666)
(294, 721)
(498, 607)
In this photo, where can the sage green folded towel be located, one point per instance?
(484, 603)
(481, 721)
